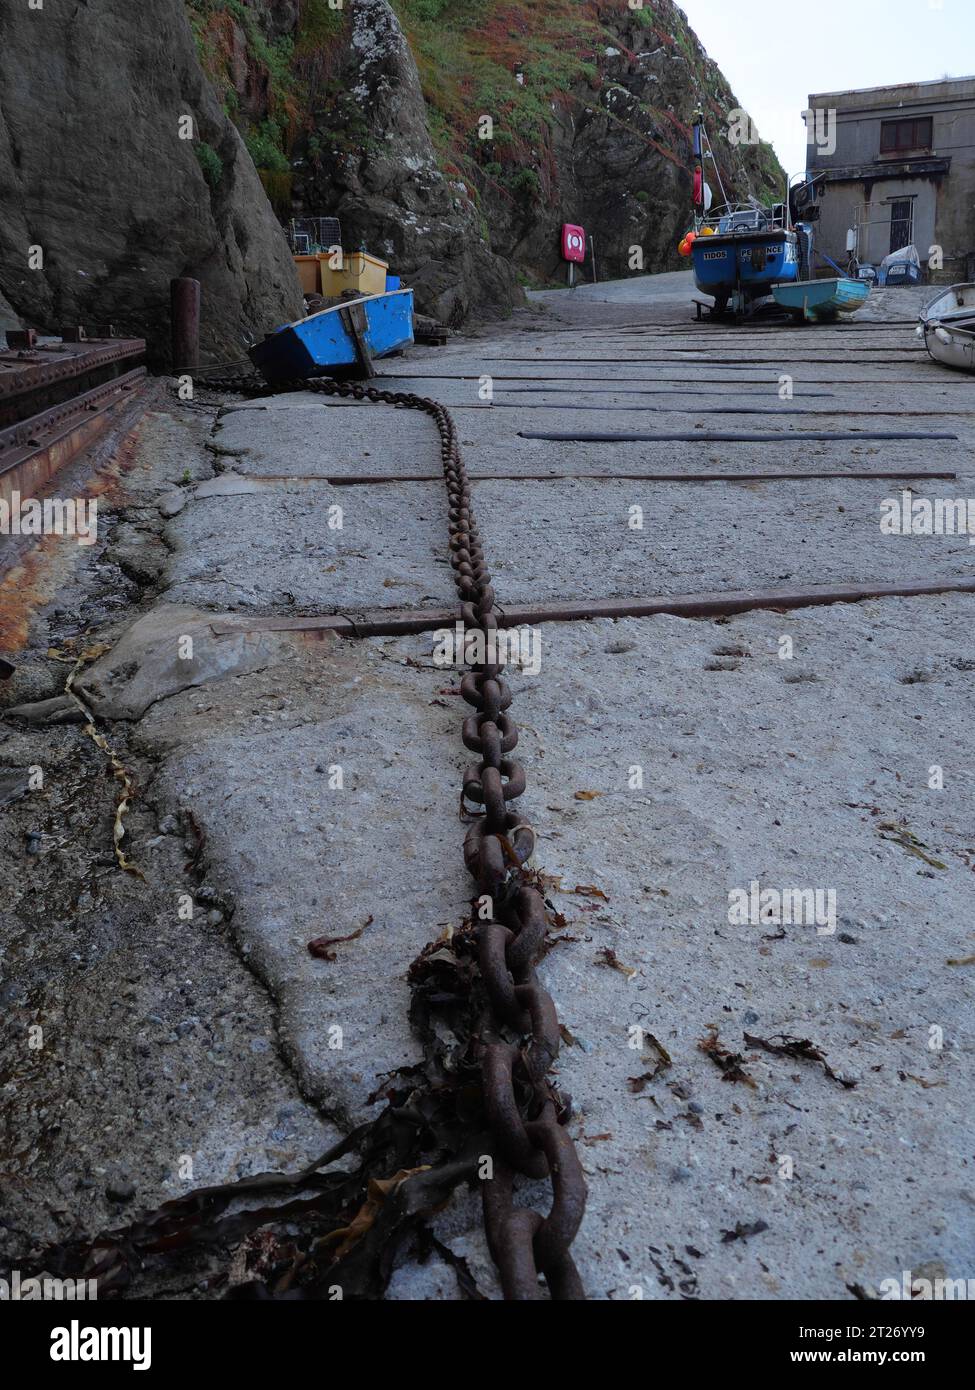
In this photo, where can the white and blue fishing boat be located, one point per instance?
(343, 339)
(740, 250)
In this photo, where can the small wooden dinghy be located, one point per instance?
(344, 338)
(817, 301)
(947, 326)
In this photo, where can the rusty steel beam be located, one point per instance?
(727, 437)
(34, 451)
(32, 380)
(770, 382)
(392, 622)
(771, 475)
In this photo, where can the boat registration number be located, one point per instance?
(714, 255)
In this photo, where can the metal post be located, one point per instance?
(185, 314)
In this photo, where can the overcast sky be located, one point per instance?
(775, 53)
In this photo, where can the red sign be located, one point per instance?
(573, 244)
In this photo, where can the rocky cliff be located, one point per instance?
(591, 104)
(456, 136)
(452, 137)
(102, 201)
(613, 148)
(374, 166)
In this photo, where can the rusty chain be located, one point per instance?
(519, 1037)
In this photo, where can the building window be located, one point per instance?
(898, 137)
(901, 223)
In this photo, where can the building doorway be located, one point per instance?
(901, 223)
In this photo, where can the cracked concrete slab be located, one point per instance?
(754, 767)
(305, 440)
(388, 552)
(671, 763)
(614, 538)
(168, 649)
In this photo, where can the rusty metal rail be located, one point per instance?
(401, 622)
(34, 450)
(34, 379)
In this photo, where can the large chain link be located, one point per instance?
(519, 1039)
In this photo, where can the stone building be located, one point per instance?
(898, 165)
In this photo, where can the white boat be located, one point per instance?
(947, 326)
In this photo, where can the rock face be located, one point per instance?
(387, 187)
(94, 172)
(373, 113)
(615, 153)
(591, 102)
(8, 317)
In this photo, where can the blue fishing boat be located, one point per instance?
(739, 251)
(342, 339)
(747, 252)
(816, 301)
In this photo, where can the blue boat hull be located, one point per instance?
(822, 299)
(746, 263)
(323, 342)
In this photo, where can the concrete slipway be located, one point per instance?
(811, 770)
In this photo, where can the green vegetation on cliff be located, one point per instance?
(519, 61)
(265, 79)
(539, 112)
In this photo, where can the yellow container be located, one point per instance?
(308, 274)
(361, 272)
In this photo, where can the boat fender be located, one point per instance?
(942, 335)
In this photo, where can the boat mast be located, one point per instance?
(698, 193)
(702, 146)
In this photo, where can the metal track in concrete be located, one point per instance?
(35, 450)
(400, 622)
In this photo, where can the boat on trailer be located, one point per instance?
(343, 339)
(947, 325)
(748, 257)
(747, 251)
(739, 251)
